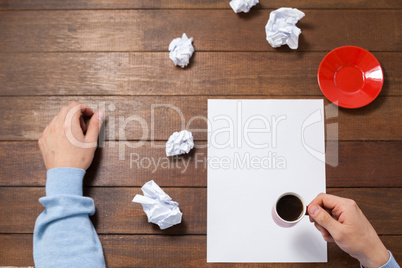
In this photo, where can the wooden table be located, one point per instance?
(113, 55)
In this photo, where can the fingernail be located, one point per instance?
(100, 116)
(313, 210)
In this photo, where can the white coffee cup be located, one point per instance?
(291, 208)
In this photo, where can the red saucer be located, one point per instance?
(350, 77)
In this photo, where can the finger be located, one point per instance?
(44, 135)
(72, 124)
(327, 201)
(323, 231)
(50, 124)
(324, 219)
(94, 126)
(83, 125)
(334, 215)
(325, 234)
(61, 116)
(43, 152)
(41, 146)
(53, 120)
(85, 110)
(75, 109)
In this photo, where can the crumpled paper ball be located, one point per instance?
(179, 143)
(281, 27)
(181, 50)
(158, 206)
(242, 5)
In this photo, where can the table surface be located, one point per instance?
(113, 55)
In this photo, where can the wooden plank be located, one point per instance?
(360, 164)
(211, 73)
(116, 214)
(189, 4)
(365, 164)
(131, 117)
(190, 251)
(11, 246)
(213, 30)
(169, 251)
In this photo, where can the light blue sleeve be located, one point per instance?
(391, 262)
(64, 235)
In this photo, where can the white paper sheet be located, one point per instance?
(257, 150)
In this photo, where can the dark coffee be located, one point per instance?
(289, 207)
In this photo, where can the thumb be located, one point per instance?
(94, 126)
(322, 217)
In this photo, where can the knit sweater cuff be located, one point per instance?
(390, 264)
(64, 181)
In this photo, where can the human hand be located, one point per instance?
(340, 220)
(63, 143)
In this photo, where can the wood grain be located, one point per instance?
(213, 30)
(188, 4)
(360, 164)
(113, 55)
(168, 251)
(210, 73)
(131, 117)
(192, 253)
(365, 164)
(116, 214)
